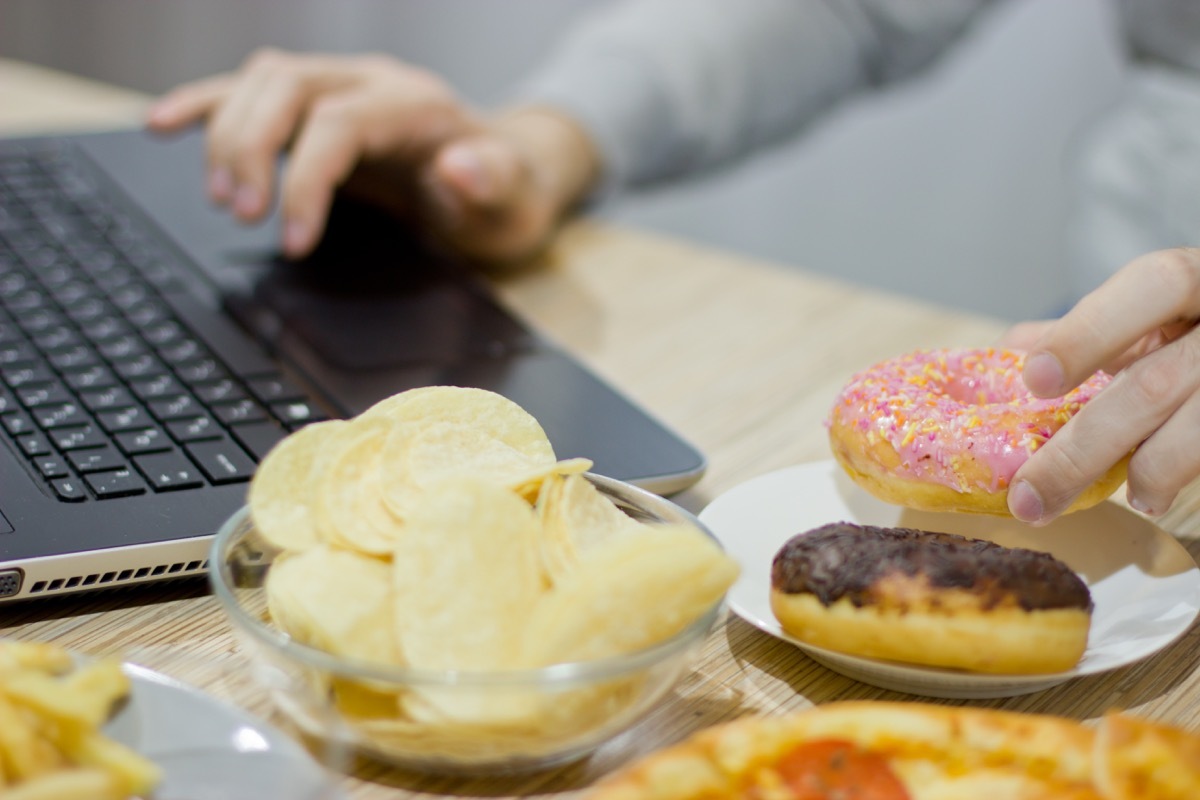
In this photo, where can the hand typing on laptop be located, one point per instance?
(491, 187)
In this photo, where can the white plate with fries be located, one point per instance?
(78, 729)
(1145, 585)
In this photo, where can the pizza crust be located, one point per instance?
(1140, 760)
(938, 753)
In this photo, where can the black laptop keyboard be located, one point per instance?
(105, 387)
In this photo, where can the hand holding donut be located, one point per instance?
(1141, 326)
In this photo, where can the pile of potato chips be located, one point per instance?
(51, 712)
(437, 530)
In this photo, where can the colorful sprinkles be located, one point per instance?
(949, 412)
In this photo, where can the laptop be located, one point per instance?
(152, 350)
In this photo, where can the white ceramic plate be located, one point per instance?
(1145, 585)
(209, 750)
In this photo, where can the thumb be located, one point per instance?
(481, 171)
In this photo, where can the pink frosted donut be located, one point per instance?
(944, 430)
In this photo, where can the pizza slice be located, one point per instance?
(904, 751)
(1141, 760)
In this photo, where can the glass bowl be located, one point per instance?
(577, 706)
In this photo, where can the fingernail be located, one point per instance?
(1044, 375)
(247, 201)
(1025, 503)
(297, 237)
(1138, 505)
(220, 185)
(468, 168)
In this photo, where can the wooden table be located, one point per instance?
(741, 357)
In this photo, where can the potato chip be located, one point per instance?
(466, 578)
(281, 496)
(631, 592)
(336, 600)
(568, 466)
(575, 518)
(479, 409)
(416, 457)
(348, 495)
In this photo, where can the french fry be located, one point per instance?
(85, 697)
(24, 751)
(49, 697)
(51, 745)
(40, 656)
(133, 773)
(69, 784)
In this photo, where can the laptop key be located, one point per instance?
(201, 370)
(258, 437)
(182, 351)
(18, 353)
(274, 389)
(44, 394)
(220, 391)
(124, 419)
(78, 357)
(195, 429)
(110, 397)
(139, 367)
(123, 348)
(222, 460)
(69, 490)
(104, 329)
(95, 376)
(97, 459)
(240, 411)
(17, 377)
(146, 440)
(163, 385)
(60, 415)
(169, 472)
(34, 444)
(51, 466)
(118, 483)
(297, 413)
(181, 406)
(17, 423)
(78, 438)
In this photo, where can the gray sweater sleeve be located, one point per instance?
(668, 87)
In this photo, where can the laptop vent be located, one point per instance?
(178, 569)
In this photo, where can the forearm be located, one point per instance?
(664, 87)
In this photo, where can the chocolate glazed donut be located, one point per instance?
(930, 598)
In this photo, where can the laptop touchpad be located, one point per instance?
(369, 297)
